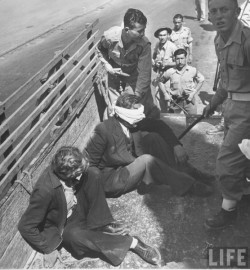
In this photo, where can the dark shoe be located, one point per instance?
(144, 189)
(221, 220)
(200, 189)
(147, 253)
(114, 228)
(217, 129)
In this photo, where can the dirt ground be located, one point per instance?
(173, 224)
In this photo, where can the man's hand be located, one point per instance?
(190, 97)
(181, 156)
(109, 68)
(49, 260)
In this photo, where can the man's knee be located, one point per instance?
(146, 159)
(72, 241)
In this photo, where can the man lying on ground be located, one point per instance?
(126, 156)
(68, 209)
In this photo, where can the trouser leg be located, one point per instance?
(231, 164)
(147, 169)
(189, 107)
(198, 8)
(92, 208)
(203, 8)
(79, 241)
(114, 91)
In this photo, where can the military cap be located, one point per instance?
(156, 34)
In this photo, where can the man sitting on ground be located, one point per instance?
(68, 209)
(126, 157)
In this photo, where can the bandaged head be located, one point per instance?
(128, 109)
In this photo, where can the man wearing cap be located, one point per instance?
(126, 55)
(163, 54)
(181, 36)
(185, 82)
(163, 59)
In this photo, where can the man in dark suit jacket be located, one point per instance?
(68, 209)
(126, 156)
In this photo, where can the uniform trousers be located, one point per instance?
(157, 165)
(91, 212)
(232, 166)
(189, 107)
(200, 8)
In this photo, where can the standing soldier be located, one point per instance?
(181, 36)
(185, 82)
(163, 54)
(232, 45)
(163, 59)
(126, 56)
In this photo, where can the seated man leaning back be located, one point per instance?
(68, 209)
(130, 150)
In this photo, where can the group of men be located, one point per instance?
(172, 58)
(133, 149)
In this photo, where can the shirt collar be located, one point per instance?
(186, 68)
(165, 44)
(234, 37)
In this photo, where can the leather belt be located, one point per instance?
(239, 96)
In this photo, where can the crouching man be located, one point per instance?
(130, 151)
(68, 209)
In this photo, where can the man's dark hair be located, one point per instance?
(180, 51)
(68, 160)
(178, 16)
(234, 1)
(133, 16)
(127, 101)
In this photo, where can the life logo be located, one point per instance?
(221, 257)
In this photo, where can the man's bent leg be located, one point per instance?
(79, 241)
(93, 197)
(153, 169)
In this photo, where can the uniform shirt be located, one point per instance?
(136, 60)
(183, 81)
(234, 58)
(182, 38)
(164, 53)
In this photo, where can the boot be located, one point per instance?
(221, 220)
